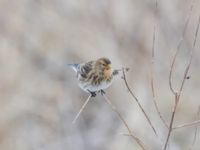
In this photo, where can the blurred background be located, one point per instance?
(39, 95)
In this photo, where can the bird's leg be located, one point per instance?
(93, 94)
(102, 92)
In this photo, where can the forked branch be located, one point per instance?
(178, 94)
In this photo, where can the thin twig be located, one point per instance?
(171, 121)
(139, 142)
(82, 107)
(196, 33)
(191, 57)
(196, 129)
(136, 99)
(177, 95)
(178, 49)
(194, 123)
(152, 71)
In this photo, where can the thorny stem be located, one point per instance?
(139, 142)
(136, 99)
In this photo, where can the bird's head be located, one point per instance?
(104, 66)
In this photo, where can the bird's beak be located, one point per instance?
(109, 67)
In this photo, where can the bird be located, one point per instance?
(94, 76)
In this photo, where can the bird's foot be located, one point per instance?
(93, 94)
(102, 92)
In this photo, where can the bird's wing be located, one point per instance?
(85, 69)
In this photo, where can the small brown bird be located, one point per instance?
(94, 76)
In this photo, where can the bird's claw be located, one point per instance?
(102, 92)
(93, 94)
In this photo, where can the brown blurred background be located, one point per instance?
(39, 95)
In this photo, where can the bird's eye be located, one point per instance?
(104, 64)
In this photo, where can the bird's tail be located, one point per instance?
(75, 67)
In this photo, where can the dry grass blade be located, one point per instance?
(80, 111)
(136, 99)
(139, 142)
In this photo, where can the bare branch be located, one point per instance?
(194, 123)
(171, 70)
(139, 142)
(196, 34)
(177, 95)
(136, 99)
(178, 49)
(80, 111)
(191, 57)
(196, 128)
(171, 121)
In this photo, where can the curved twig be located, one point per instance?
(178, 49)
(139, 142)
(136, 99)
(177, 95)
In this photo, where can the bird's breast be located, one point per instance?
(107, 74)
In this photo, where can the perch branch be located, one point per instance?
(82, 107)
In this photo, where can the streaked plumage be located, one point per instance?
(94, 76)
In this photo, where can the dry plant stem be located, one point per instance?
(152, 70)
(196, 128)
(178, 49)
(139, 142)
(171, 121)
(136, 99)
(194, 123)
(80, 111)
(178, 94)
